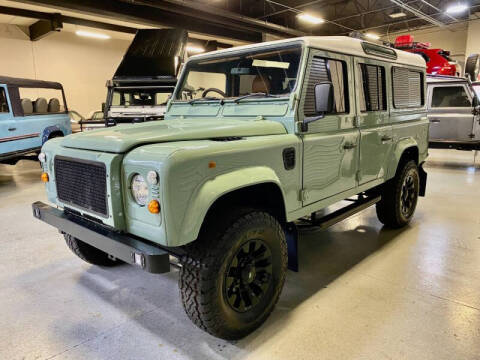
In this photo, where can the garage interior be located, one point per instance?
(363, 291)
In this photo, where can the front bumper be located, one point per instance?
(454, 144)
(128, 248)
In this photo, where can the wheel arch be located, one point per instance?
(51, 132)
(255, 187)
(406, 149)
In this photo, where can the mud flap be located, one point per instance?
(423, 180)
(291, 235)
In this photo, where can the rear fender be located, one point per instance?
(400, 147)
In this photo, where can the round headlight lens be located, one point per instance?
(139, 190)
(42, 157)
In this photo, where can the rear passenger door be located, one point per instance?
(331, 143)
(372, 118)
(450, 112)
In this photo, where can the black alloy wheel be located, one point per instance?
(248, 276)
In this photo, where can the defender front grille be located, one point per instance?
(82, 183)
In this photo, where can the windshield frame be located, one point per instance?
(113, 89)
(230, 53)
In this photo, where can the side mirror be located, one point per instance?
(323, 95)
(103, 107)
(324, 98)
(475, 101)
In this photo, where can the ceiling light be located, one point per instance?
(92, 34)
(310, 18)
(195, 49)
(372, 36)
(457, 8)
(397, 15)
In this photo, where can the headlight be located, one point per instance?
(42, 157)
(139, 190)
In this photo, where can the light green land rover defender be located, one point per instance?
(255, 139)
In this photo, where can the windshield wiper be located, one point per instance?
(205, 99)
(258, 94)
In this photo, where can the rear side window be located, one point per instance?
(3, 101)
(41, 100)
(323, 70)
(450, 96)
(372, 94)
(407, 88)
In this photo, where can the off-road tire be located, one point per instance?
(389, 209)
(88, 253)
(472, 66)
(203, 277)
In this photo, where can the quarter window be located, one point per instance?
(372, 94)
(323, 70)
(3, 101)
(407, 88)
(450, 96)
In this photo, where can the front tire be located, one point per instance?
(234, 274)
(399, 197)
(89, 253)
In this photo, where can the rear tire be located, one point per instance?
(234, 274)
(399, 197)
(89, 253)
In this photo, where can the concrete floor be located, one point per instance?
(363, 292)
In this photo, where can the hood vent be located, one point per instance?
(228, 138)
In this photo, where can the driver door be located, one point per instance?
(331, 144)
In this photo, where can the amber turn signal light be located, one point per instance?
(154, 207)
(44, 177)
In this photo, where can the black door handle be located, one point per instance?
(386, 138)
(349, 146)
(435, 121)
(12, 129)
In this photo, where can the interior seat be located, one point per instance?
(41, 105)
(54, 105)
(27, 106)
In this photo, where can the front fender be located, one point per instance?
(210, 191)
(398, 150)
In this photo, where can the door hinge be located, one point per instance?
(303, 195)
(356, 121)
(471, 136)
(358, 175)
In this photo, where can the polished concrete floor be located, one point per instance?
(363, 292)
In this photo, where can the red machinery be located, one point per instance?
(438, 60)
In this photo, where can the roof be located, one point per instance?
(444, 78)
(144, 81)
(341, 44)
(30, 83)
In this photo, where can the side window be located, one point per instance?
(3, 101)
(372, 94)
(407, 88)
(450, 96)
(323, 70)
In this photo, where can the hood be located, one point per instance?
(120, 139)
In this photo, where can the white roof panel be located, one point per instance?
(341, 44)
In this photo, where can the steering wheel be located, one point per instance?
(218, 91)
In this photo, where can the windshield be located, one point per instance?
(141, 97)
(272, 72)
